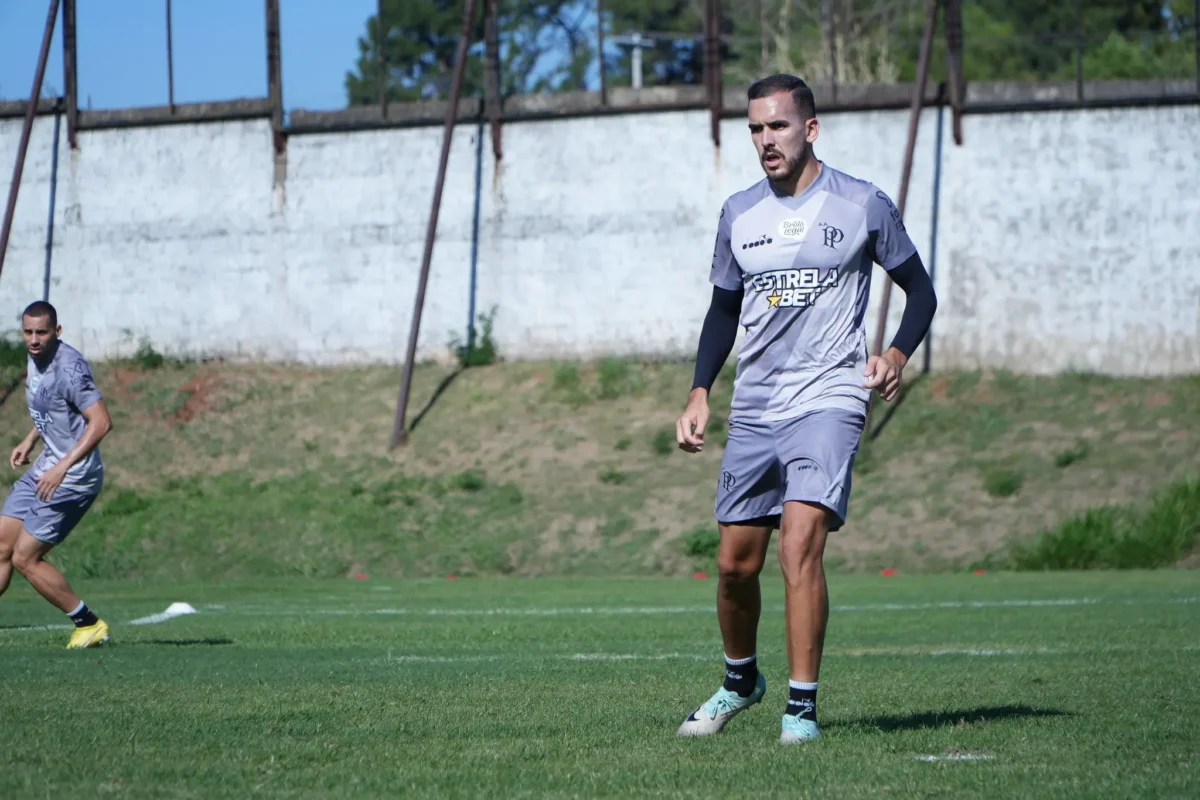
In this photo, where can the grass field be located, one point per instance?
(540, 468)
(1030, 685)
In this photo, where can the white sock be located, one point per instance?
(741, 661)
(82, 605)
(808, 687)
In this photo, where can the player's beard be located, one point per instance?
(793, 166)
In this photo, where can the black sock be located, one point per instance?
(741, 675)
(83, 616)
(802, 700)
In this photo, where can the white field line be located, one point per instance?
(413, 658)
(174, 610)
(956, 757)
(254, 610)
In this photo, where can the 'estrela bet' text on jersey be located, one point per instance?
(804, 264)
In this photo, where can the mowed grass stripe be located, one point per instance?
(1094, 699)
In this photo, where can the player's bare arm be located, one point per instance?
(21, 453)
(717, 338)
(884, 372)
(99, 424)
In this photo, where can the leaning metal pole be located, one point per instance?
(491, 37)
(914, 120)
(712, 66)
(27, 129)
(399, 434)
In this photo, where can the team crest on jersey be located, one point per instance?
(794, 228)
(794, 288)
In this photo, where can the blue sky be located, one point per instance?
(122, 48)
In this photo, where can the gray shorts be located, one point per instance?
(807, 459)
(46, 522)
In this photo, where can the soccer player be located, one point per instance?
(793, 260)
(70, 418)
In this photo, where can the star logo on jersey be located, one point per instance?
(773, 300)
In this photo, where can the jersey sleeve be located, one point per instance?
(725, 272)
(79, 389)
(890, 243)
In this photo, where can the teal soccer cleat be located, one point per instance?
(721, 707)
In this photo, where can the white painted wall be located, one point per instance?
(1066, 239)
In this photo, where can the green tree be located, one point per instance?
(677, 27)
(545, 45)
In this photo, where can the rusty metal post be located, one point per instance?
(491, 32)
(831, 39)
(170, 63)
(600, 51)
(954, 67)
(381, 58)
(914, 121)
(712, 66)
(1079, 51)
(70, 74)
(27, 129)
(399, 434)
(274, 76)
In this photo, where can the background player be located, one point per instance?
(70, 418)
(793, 258)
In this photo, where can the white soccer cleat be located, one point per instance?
(796, 730)
(723, 706)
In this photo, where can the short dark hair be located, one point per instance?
(798, 89)
(40, 308)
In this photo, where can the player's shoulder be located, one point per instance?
(849, 187)
(739, 203)
(68, 355)
(70, 361)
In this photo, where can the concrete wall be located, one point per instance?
(1066, 238)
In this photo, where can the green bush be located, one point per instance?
(1001, 482)
(1116, 537)
(482, 350)
(702, 542)
(663, 441)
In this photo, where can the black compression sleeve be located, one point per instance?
(919, 305)
(717, 336)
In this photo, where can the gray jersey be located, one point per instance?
(57, 396)
(804, 264)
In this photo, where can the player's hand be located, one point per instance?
(884, 372)
(49, 483)
(689, 429)
(20, 455)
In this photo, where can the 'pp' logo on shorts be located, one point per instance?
(727, 480)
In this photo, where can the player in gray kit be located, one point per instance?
(793, 262)
(70, 419)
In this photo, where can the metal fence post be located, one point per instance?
(170, 63)
(69, 73)
(399, 432)
(26, 129)
(914, 121)
(274, 76)
(381, 59)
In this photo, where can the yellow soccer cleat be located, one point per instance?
(91, 636)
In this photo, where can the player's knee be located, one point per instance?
(801, 546)
(24, 561)
(735, 567)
